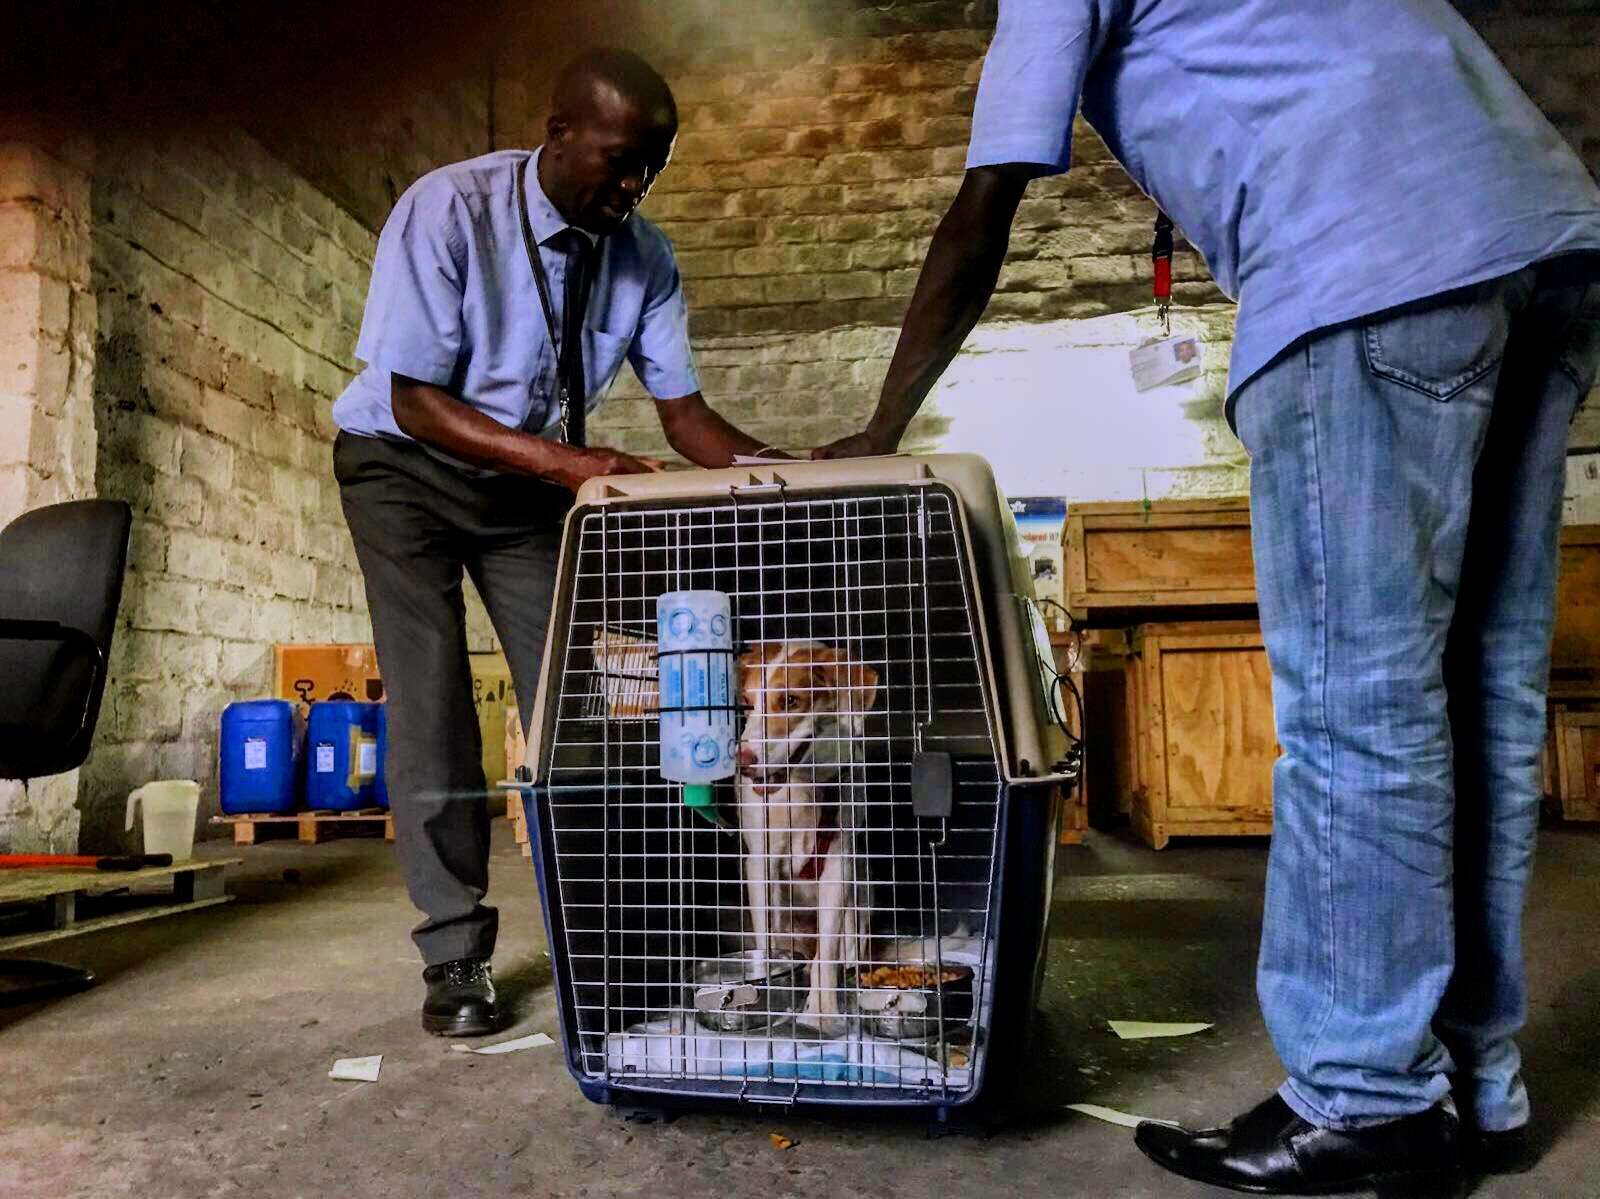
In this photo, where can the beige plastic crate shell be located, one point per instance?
(1024, 730)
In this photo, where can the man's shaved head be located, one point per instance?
(621, 72)
(612, 125)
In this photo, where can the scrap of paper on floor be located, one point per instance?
(1112, 1116)
(357, 1069)
(1138, 1030)
(531, 1041)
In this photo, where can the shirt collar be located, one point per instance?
(542, 215)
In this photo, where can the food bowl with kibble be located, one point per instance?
(907, 1001)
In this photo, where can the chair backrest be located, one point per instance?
(62, 566)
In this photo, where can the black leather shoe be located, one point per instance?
(460, 1001)
(1508, 1152)
(1272, 1151)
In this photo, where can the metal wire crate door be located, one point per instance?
(654, 903)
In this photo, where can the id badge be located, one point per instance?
(1166, 361)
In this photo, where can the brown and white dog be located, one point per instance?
(808, 704)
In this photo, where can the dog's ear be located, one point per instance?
(862, 682)
(856, 682)
(752, 664)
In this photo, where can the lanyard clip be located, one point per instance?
(1161, 260)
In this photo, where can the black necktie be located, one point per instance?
(580, 266)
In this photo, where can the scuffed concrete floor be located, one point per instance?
(198, 1066)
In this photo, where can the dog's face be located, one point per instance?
(806, 702)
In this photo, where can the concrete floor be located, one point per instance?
(199, 1064)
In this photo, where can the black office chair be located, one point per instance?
(61, 571)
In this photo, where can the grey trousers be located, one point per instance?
(419, 524)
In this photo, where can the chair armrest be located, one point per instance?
(12, 629)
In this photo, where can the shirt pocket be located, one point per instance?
(1442, 345)
(602, 358)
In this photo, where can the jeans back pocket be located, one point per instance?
(1443, 344)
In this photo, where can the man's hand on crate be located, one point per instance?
(577, 466)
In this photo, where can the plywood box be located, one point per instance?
(1126, 563)
(1201, 703)
(1577, 764)
(1576, 650)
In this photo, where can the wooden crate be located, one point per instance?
(516, 749)
(1575, 651)
(1094, 660)
(1170, 559)
(1201, 700)
(1577, 764)
(309, 827)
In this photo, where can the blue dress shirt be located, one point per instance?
(1329, 159)
(453, 302)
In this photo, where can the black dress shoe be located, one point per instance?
(1508, 1152)
(1272, 1151)
(460, 1001)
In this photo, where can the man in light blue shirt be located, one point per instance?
(506, 293)
(1412, 247)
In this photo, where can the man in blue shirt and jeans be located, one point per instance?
(1412, 248)
(506, 292)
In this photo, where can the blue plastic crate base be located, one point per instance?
(309, 827)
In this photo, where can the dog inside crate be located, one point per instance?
(845, 940)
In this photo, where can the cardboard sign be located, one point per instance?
(1039, 521)
(308, 674)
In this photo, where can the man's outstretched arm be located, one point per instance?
(958, 277)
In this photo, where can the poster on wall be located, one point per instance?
(1039, 523)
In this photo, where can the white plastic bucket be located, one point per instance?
(169, 808)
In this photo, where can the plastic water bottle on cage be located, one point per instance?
(694, 640)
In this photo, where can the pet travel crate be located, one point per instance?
(928, 781)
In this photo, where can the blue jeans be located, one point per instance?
(1406, 482)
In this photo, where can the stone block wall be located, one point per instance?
(47, 429)
(822, 141)
(230, 293)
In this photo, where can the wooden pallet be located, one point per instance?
(196, 884)
(310, 827)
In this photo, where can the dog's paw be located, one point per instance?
(827, 1027)
(825, 1023)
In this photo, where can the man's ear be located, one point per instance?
(556, 129)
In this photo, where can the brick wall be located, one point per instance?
(229, 294)
(47, 444)
(230, 291)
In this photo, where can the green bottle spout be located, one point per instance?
(700, 798)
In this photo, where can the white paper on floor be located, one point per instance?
(531, 1041)
(1138, 1030)
(357, 1069)
(1112, 1116)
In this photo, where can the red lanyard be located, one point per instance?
(1161, 258)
